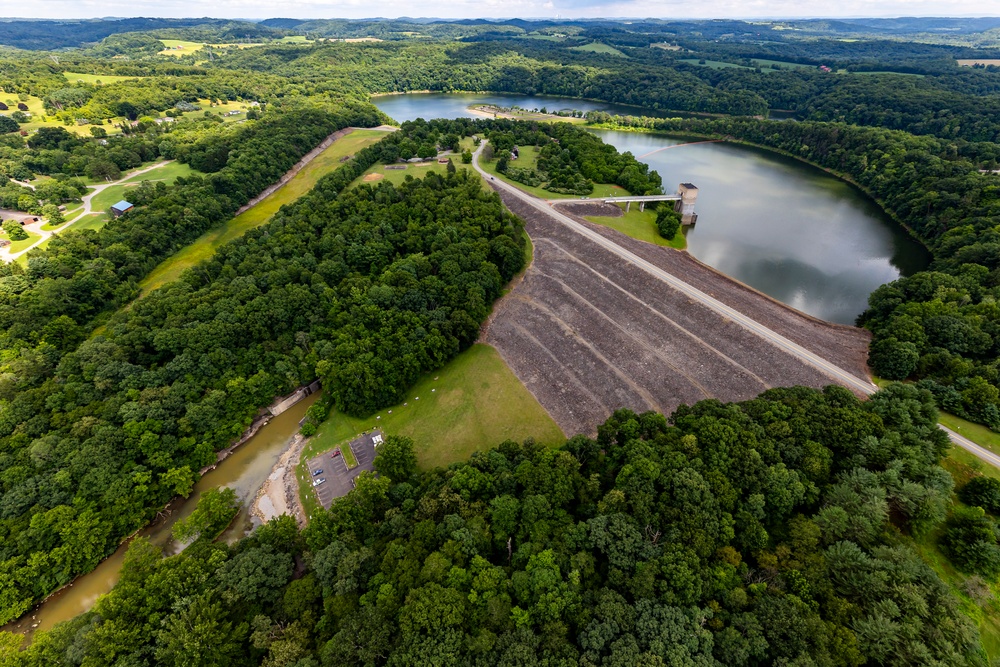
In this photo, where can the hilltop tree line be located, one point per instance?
(762, 533)
(940, 326)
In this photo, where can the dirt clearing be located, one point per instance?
(372, 177)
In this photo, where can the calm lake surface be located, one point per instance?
(776, 224)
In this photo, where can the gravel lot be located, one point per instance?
(588, 333)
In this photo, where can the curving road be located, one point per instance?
(836, 373)
(36, 228)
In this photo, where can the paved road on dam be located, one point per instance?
(836, 373)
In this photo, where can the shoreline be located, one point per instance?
(279, 494)
(728, 139)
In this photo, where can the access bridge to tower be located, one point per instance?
(684, 200)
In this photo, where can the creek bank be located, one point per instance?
(280, 405)
(279, 494)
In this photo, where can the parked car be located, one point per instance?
(317, 472)
(319, 481)
(336, 453)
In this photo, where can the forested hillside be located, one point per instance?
(763, 533)
(366, 291)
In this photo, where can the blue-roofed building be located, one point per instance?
(121, 208)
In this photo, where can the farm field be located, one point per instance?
(979, 61)
(179, 47)
(568, 323)
(301, 183)
(96, 79)
(598, 47)
(714, 64)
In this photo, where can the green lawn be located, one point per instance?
(18, 246)
(205, 246)
(472, 404)
(397, 176)
(74, 77)
(109, 196)
(641, 225)
(598, 47)
(168, 173)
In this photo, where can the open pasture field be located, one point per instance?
(95, 79)
(588, 333)
(598, 47)
(979, 61)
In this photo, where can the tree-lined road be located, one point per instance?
(839, 375)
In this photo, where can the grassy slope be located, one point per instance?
(475, 402)
(172, 267)
(963, 467)
(640, 225)
(167, 173)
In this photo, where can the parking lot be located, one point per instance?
(340, 479)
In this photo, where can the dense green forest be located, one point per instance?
(763, 533)
(779, 531)
(366, 290)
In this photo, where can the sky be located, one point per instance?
(259, 9)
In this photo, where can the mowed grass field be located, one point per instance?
(472, 404)
(640, 225)
(527, 160)
(167, 173)
(18, 246)
(203, 248)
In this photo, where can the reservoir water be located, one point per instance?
(781, 226)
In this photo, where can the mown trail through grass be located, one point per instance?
(206, 245)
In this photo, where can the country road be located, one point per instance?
(87, 199)
(836, 373)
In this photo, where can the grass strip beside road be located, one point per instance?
(977, 433)
(205, 246)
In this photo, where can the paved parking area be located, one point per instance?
(340, 479)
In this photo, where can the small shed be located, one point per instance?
(122, 207)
